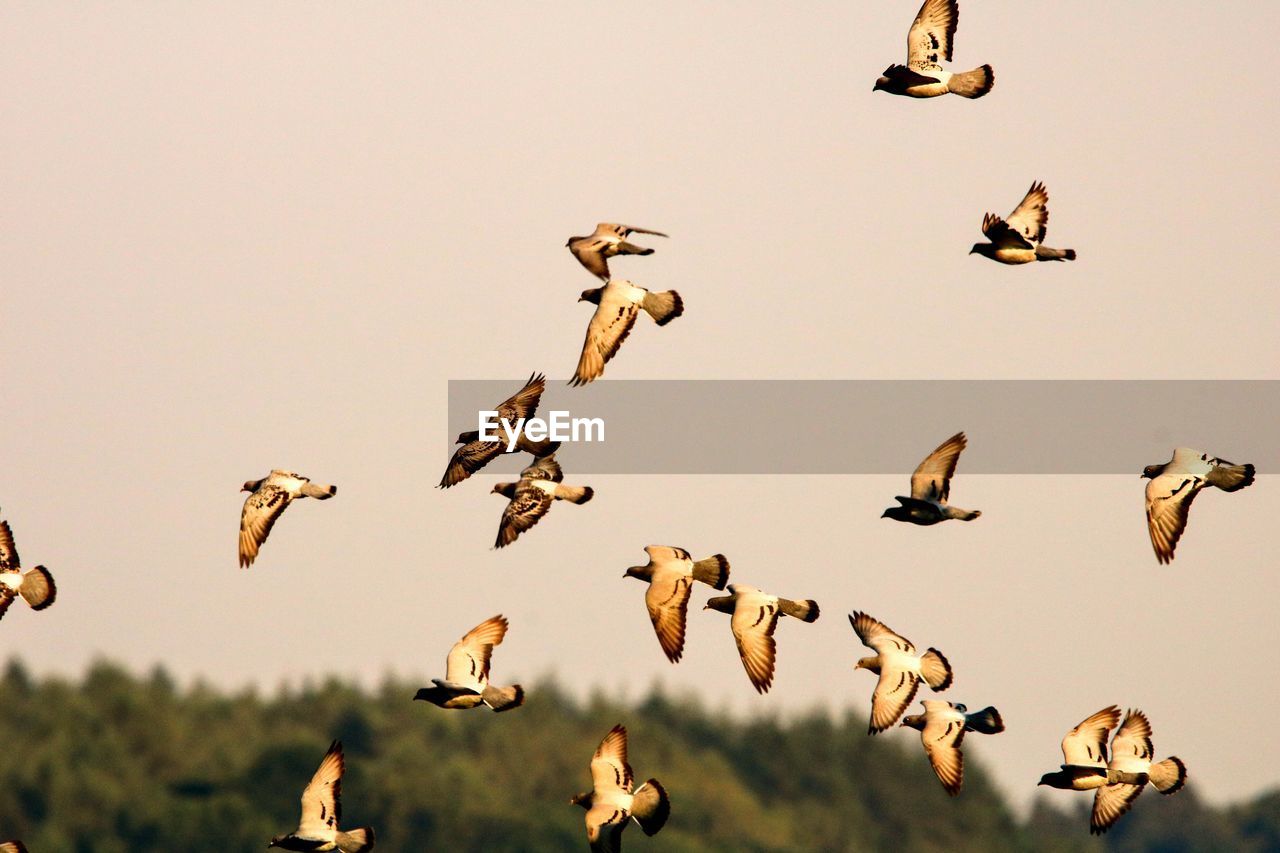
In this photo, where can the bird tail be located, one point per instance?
(806, 610)
(972, 84)
(38, 588)
(663, 307)
(1169, 775)
(1231, 478)
(1044, 253)
(574, 494)
(356, 840)
(538, 448)
(650, 806)
(935, 670)
(987, 721)
(319, 491)
(503, 698)
(962, 514)
(713, 571)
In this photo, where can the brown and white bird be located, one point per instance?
(670, 574)
(475, 454)
(12, 847)
(531, 498)
(931, 486)
(466, 680)
(1175, 484)
(611, 802)
(35, 587)
(942, 727)
(928, 41)
(618, 304)
(322, 810)
(755, 616)
(1020, 239)
(900, 668)
(609, 240)
(271, 496)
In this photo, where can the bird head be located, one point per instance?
(635, 572)
(872, 663)
(250, 485)
(881, 83)
(583, 800)
(914, 721)
(275, 842)
(897, 513)
(984, 249)
(1152, 471)
(1047, 779)
(592, 295)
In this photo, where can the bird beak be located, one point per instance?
(971, 251)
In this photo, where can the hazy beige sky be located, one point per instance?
(237, 237)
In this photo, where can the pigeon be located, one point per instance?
(618, 303)
(942, 727)
(755, 616)
(1175, 485)
(609, 239)
(321, 811)
(36, 587)
(670, 574)
(611, 801)
(466, 682)
(475, 454)
(1084, 753)
(899, 667)
(929, 40)
(12, 847)
(1132, 768)
(931, 486)
(271, 496)
(531, 498)
(1020, 239)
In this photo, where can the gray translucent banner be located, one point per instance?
(888, 426)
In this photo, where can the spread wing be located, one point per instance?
(942, 737)
(932, 479)
(468, 459)
(668, 601)
(1110, 803)
(604, 828)
(321, 801)
(894, 692)
(1131, 749)
(8, 551)
(664, 554)
(609, 767)
(932, 33)
(1002, 235)
(624, 230)
(1086, 744)
(261, 509)
(525, 510)
(874, 634)
(1169, 498)
(524, 402)
(468, 662)
(753, 630)
(543, 468)
(609, 327)
(1031, 217)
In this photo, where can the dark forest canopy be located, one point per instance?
(119, 764)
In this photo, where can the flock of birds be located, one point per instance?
(1117, 772)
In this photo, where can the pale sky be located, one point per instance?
(243, 237)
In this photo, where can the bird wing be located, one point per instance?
(8, 551)
(6, 598)
(1031, 217)
(1002, 235)
(894, 692)
(524, 402)
(1110, 803)
(941, 737)
(665, 554)
(876, 635)
(753, 626)
(1131, 749)
(1169, 498)
(609, 767)
(468, 661)
(261, 509)
(931, 34)
(1086, 744)
(525, 510)
(609, 327)
(931, 480)
(321, 801)
(13, 847)
(668, 601)
(624, 230)
(605, 823)
(588, 252)
(543, 468)
(468, 459)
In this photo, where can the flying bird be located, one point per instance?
(611, 801)
(929, 40)
(618, 304)
(531, 498)
(466, 681)
(321, 811)
(608, 240)
(670, 574)
(12, 847)
(755, 616)
(36, 587)
(1175, 484)
(1132, 767)
(931, 486)
(942, 727)
(900, 669)
(271, 496)
(1020, 240)
(475, 454)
